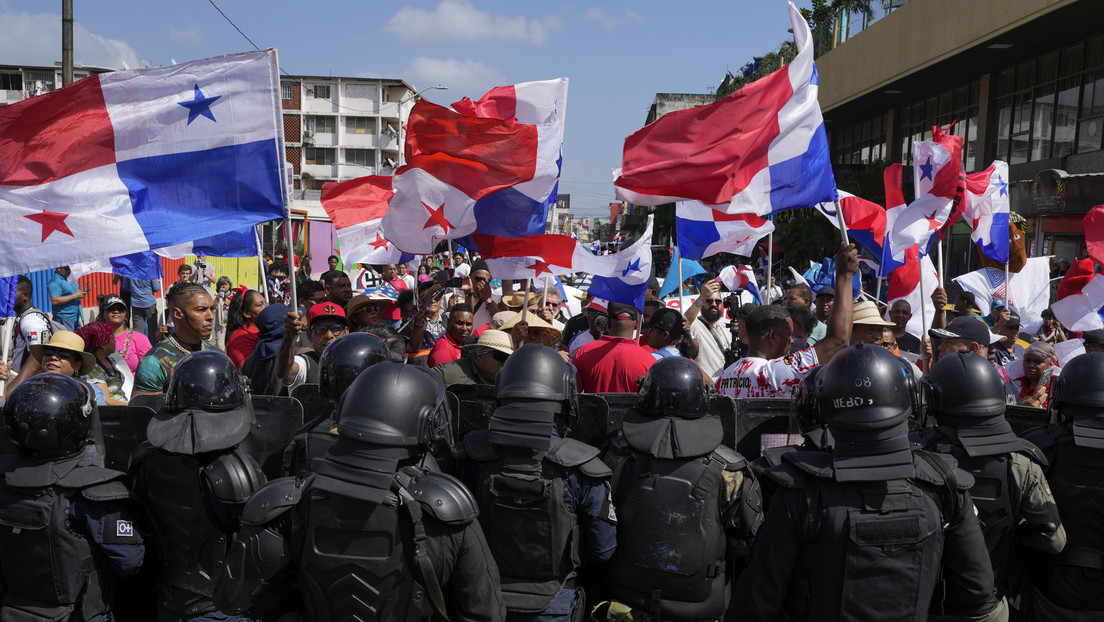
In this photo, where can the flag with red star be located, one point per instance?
(488, 167)
(936, 166)
(987, 207)
(357, 208)
(132, 161)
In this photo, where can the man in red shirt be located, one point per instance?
(390, 275)
(458, 329)
(615, 362)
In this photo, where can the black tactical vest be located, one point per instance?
(62, 572)
(1074, 578)
(355, 561)
(190, 546)
(533, 536)
(670, 561)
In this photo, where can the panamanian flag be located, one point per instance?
(131, 161)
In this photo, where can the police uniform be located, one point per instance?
(544, 501)
(194, 480)
(679, 492)
(373, 535)
(869, 531)
(66, 525)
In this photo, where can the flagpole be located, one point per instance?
(923, 315)
(878, 289)
(291, 257)
(770, 263)
(9, 324)
(678, 258)
(939, 250)
(842, 223)
(261, 266)
(544, 296)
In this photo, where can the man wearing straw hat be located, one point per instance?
(481, 360)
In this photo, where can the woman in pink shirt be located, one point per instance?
(130, 344)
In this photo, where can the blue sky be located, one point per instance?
(617, 55)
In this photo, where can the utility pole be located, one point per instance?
(66, 42)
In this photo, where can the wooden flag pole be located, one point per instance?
(842, 223)
(878, 290)
(939, 258)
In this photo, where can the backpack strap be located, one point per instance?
(421, 554)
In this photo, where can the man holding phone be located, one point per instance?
(66, 298)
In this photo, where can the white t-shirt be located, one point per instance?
(300, 376)
(409, 280)
(757, 377)
(34, 329)
(463, 269)
(710, 354)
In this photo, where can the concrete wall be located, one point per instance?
(919, 34)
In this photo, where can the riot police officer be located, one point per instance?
(341, 362)
(1010, 492)
(374, 535)
(66, 526)
(194, 479)
(678, 495)
(865, 532)
(544, 501)
(1070, 585)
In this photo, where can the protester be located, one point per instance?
(278, 283)
(110, 372)
(326, 322)
(477, 293)
(131, 345)
(802, 294)
(664, 333)
(458, 328)
(1004, 351)
(221, 309)
(63, 354)
(241, 325)
(404, 274)
(1051, 331)
(709, 330)
(1093, 340)
(190, 309)
(392, 314)
(66, 298)
(459, 267)
(900, 312)
(32, 325)
(480, 362)
(615, 362)
(769, 370)
(595, 327)
(867, 323)
(185, 273)
(825, 297)
(547, 304)
(309, 292)
(1039, 363)
(363, 311)
(204, 272)
(260, 366)
(339, 290)
(998, 312)
(332, 262)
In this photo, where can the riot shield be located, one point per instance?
(277, 420)
(474, 404)
(314, 403)
(123, 429)
(756, 417)
(720, 406)
(152, 401)
(593, 425)
(1023, 418)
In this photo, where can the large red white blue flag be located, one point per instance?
(490, 166)
(865, 220)
(621, 277)
(356, 208)
(987, 210)
(760, 150)
(703, 231)
(1027, 292)
(936, 166)
(130, 161)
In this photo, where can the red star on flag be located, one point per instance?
(51, 222)
(933, 224)
(540, 267)
(379, 242)
(437, 218)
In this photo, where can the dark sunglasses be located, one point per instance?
(322, 329)
(715, 301)
(61, 354)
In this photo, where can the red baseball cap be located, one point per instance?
(326, 310)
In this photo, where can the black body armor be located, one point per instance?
(50, 569)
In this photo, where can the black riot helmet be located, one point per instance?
(50, 416)
(395, 405)
(865, 388)
(804, 406)
(343, 360)
(964, 386)
(673, 387)
(536, 372)
(207, 380)
(1078, 393)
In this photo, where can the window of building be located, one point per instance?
(11, 82)
(321, 91)
(861, 143)
(958, 105)
(320, 125)
(319, 155)
(33, 76)
(360, 125)
(287, 90)
(360, 157)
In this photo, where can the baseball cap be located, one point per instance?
(326, 310)
(1013, 320)
(1093, 336)
(111, 301)
(621, 311)
(997, 303)
(826, 291)
(666, 319)
(598, 304)
(964, 327)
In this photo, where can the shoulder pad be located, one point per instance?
(443, 496)
(568, 452)
(787, 476)
(772, 456)
(925, 472)
(233, 476)
(925, 437)
(273, 499)
(476, 446)
(815, 463)
(114, 490)
(1045, 436)
(730, 458)
(1031, 451)
(90, 477)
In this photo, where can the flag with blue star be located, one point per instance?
(629, 282)
(987, 210)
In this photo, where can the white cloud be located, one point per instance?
(458, 20)
(35, 39)
(609, 22)
(187, 37)
(464, 78)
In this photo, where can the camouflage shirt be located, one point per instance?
(156, 366)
